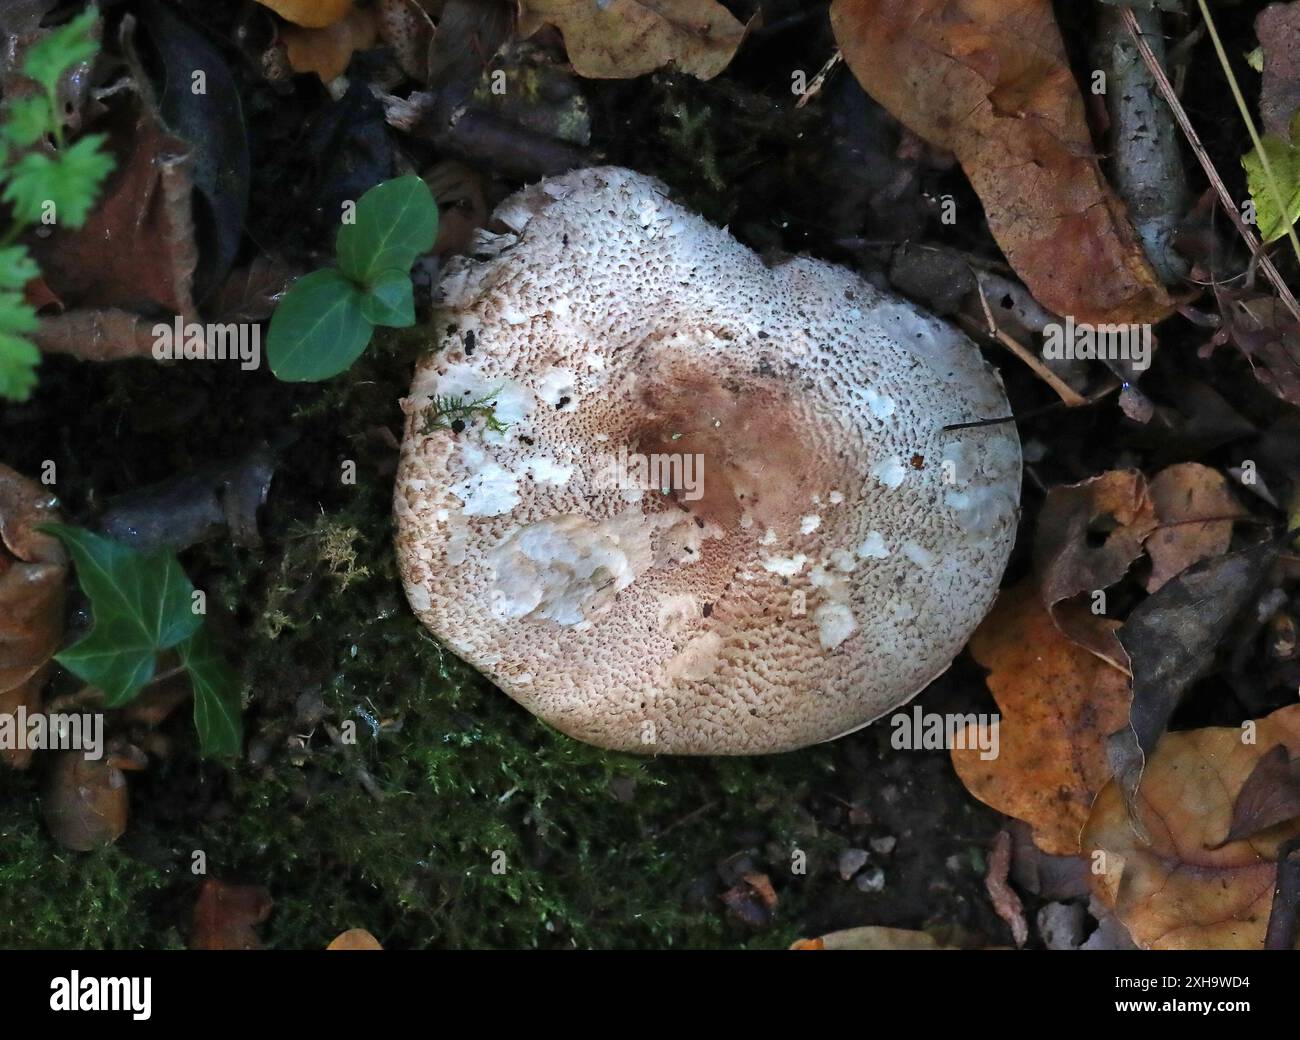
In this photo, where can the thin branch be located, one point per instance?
(1242, 107)
(1221, 189)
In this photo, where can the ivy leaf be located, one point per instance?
(217, 701)
(390, 300)
(70, 182)
(1275, 216)
(395, 222)
(318, 329)
(141, 605)
(49, 58)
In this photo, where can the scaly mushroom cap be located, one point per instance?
(823, 547)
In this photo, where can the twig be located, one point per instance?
(1278, 197)
(1067, 393)
(1220, 189)
(819, 79)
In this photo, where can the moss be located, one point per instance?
(53, 899)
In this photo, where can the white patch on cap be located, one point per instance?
(873, 547)
(890, 472)
(835, 623)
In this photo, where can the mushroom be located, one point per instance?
(672, 500)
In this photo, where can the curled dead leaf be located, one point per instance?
(619, 39)
(1180, 887)
(226, 916)
(407, 29)
(1058, 704)
(990, 81)
(1195, 511)
(1088, 535)
(137, 248)
(32, 569)
(462, 203)
(85, 802)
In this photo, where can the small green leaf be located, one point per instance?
(141, 605)
(390, 300)
(70, 182)
(1275, 216)
(394, 223)
(318, 330)
(217, 701)
(26, 120)
(48, 59)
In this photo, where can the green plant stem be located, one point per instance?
(1250, 124)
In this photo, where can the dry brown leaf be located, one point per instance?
(872, 938)
(462, 202)
(1114, 510)
(32, 569)
(1058, 704)
(137, 249)
(990, 81)
(1182, 494)
(226, 916)
(327, 51)
(619, 39)
(355, 939)
(1176, 890)
(315, 14)
(85, 802)
(1270, 795)
(407, 29)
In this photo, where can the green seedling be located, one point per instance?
(326, 318)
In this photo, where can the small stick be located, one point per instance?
(1067, 393)
(819, 79)
(1221, 189)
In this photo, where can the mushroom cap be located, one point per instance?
(824, 548)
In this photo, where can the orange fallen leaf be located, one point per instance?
(315, 14)
(619, 39)
(32, 568)
(1195, 511)
(355, 939)
(1173, 886)
(872, 938)
(990, 81)
(85, 802)
(226, 916)
(1058, 704)
(327, 51)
